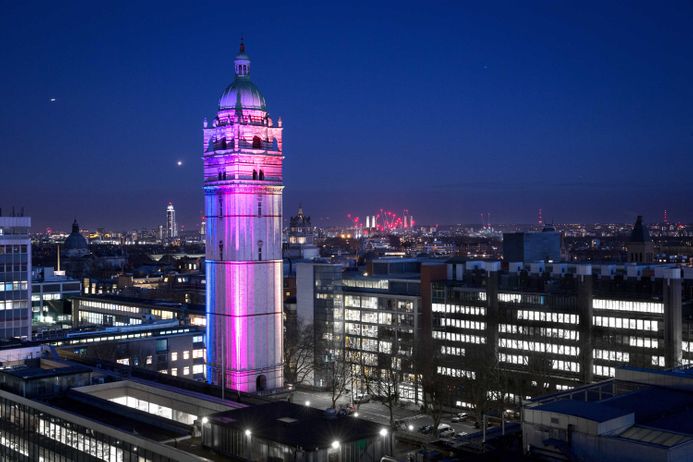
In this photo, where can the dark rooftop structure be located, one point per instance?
(280, 428)
(640, 232)
(641, 415)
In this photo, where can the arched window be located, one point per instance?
(254, 174)
(262, 175)
(257, 142)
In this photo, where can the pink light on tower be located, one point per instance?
(243, 186)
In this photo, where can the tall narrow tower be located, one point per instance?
(171, 227)
(243, 211)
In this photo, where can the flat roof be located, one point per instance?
(35, 372)
(141, 301)
(594, 411)
(655, 436)
(296, 425)
(120, 417)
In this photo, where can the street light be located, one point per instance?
(383, 432)
(356, 414)
(307, 403)
(205, 420)
(335, 444)
(248, 433)
(410, 427)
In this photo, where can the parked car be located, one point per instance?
(460, 417)
(361, 398)
(446, 433)
(426, 429)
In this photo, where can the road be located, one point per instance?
(377, 412)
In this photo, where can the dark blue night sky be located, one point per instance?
(446, 108)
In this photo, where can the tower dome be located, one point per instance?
(242, 93)
(75, 244)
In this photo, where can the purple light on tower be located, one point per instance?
(243, 210)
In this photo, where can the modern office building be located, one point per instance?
(116, 310)
(49, 293)
(53, 410)
(532, 246)
(171, 225)
(528, 329)
(319, 304)
(15, 278)
(382, 322)
(164, 346)
(243, 186)
(372, 321)
(640, 415)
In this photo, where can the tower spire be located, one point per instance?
(241, 49)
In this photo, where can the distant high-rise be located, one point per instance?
(171, 227)
(243, 206)
(532, 247)
(15, 277)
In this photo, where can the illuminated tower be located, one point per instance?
(171, 227)
(243, 214)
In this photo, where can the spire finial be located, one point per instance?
(242, 47)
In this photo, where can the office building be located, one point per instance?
(171, 226)
(56, 411)
(15, 278)
(163, 346)
(382, 321)
(49, 293)
(373, 321)
(532, 246)
(243, 186)
(319, 304)
(535, 328)
(117, 310)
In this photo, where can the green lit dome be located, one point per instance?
(242, 93)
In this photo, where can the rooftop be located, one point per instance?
(296, 425)
(586, 410)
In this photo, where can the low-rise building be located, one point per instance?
(640, 415)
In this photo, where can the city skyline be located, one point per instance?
(560, 108)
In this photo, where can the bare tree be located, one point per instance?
(388, 386)
(485, 385)
(435, 390)
(298, 355)
(338, 376)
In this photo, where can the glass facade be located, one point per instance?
(15, 277)
(33, 432)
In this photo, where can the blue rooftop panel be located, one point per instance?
(587, 410)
